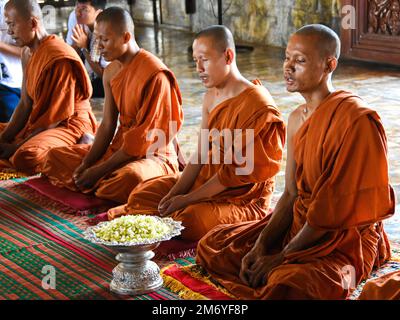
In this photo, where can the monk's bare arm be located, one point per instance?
(106, 130)
(194, 166)
(283, 213)
(306, 238)
(10, 49)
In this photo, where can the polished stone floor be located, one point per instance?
(378, 85)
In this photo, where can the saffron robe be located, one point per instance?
(249, 193)
(60, 89)
(386, 287)
(343, 187)
(148, 99)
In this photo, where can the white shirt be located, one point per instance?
(72, 22)
(11, 68)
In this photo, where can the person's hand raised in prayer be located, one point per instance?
(80, 37)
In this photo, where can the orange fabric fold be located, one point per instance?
(386, 287)
(343, 187)
(60, 89)
(148, 100)
(248, 195)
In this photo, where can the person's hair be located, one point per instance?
(328, 40)
(118, 18)
(97, 4)
(221, 35)
(26, 8)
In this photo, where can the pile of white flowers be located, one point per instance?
(132, 229)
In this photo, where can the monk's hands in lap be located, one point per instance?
(259, 271)
(88, 178)
(7, 150)
(173, 204)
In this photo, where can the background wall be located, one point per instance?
(268, 22)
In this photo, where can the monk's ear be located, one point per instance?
(127, 37)
(229, 56)
(34, 23)
(331, 64)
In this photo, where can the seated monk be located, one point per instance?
(54, 109)
(143, 94)
(215, 187)
(386, 287)
(325, 234)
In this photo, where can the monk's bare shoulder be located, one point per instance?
(295, 121)
(208, 103)
(208, 100)
(112, 70)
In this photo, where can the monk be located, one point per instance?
(238, 117)
(325, 234)
(54, 108)
(143, 94)
(386, 287)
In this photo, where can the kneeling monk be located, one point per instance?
(231, 177)
(143, 94)
(54, 109)
(325, 234)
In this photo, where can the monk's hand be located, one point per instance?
(25, 56)
(259, 271)
(88, 178)
(78, 172)
(7, 150)
(174, 204)
(80, 36)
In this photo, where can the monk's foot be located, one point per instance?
(86, 138)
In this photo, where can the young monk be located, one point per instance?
(143, 94)
(325, 234)
(54, 109)
(212, 189)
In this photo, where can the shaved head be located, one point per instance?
(25, 8)
(222, 37)
(119, 19)
(327, 39)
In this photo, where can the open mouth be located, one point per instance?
(289, 79)
(203, 78)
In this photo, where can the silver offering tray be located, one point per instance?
(136, 274)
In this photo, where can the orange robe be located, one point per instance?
(248, 196)
(60, 89)
(148, 98)
(343, 187)
(386, 287)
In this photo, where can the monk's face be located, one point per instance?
(211, 63)
(112, 44)
(304, 68)
(19, 28)
(86, 13)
